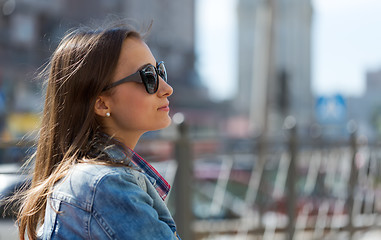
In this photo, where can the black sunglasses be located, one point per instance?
(148, 75)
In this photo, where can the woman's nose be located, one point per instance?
(165, 89)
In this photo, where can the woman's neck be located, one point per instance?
(129, 139)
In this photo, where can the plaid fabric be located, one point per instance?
(161, 186)
(119, 153)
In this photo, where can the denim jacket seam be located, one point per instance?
(102, 224)
(87, 225)
(54, 204)
(59, 203)
(102, 177)
(61, 197)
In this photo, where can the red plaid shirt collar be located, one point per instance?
(121, 154)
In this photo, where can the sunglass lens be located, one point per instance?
(150, 79)
(162, 71)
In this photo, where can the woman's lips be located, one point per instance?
(164, 108)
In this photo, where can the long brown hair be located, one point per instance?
(82, 65)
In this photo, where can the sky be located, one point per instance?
(216, 44)
(346, 43)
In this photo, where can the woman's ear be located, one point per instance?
(101, 107)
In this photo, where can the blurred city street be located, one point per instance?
(276, 110)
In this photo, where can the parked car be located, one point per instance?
(12, 179)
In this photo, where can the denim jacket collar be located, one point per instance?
(119, 153)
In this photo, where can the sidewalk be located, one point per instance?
(8, 230)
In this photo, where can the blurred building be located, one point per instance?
(366, 110)
(29, 32)
(31, 29)
(172, 39)
(274, 63)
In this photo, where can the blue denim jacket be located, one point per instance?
(107, 202)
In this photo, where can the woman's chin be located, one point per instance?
(164, 124)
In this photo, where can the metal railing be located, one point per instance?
(300, 190)
(289, 189)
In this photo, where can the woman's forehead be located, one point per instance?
(134, 55)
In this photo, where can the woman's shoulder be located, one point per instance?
(93, 173)
(85, 180)
(97, 170)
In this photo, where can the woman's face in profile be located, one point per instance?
(132, 109)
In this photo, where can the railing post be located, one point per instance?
(290, 126)
(352, 129)
(183, 190)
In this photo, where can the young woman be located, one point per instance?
(104, 90)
